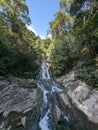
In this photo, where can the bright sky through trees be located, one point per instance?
(41, 13)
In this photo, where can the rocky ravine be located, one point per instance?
(20, 101)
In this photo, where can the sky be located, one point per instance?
(41, 13)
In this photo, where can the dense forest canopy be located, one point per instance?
(18, 54)
(74, 42)
(75, 34)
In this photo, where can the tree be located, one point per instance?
(18, 54)
(76, 45)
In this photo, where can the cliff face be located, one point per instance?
(81, 95)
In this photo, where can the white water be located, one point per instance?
(44, 73)
(55, 88)
(45, 121)
(44, 92)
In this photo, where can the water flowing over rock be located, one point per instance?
(44, 71)
(45, 104)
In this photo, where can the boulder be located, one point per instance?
(17, 97)
(81, 95)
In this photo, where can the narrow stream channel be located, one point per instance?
(49, 87)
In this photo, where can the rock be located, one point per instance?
(64, 97)
(82, 97)
(23, 120)
(16, 99)
(67, 80)
(21, 100)
(13, 97)
(2, 126)
(58, 112)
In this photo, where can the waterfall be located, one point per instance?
(54, 110)
(45, 71)
(48, 87)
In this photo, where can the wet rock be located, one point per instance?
(21, 101)
(58, 112)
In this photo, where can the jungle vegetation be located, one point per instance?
(74, 43)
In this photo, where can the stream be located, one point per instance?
(49, 88)
(40, 104)
(54, 113)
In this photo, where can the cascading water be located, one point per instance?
(48, 105)
(44, 72)
(48, 87)
(55, 112)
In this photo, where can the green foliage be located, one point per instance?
(76, 5)
(74, 41)
(18, 52)
(87, 74)
(44, 46)
(77, 46)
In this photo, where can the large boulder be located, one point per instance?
(82, 96)
(17, 98)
